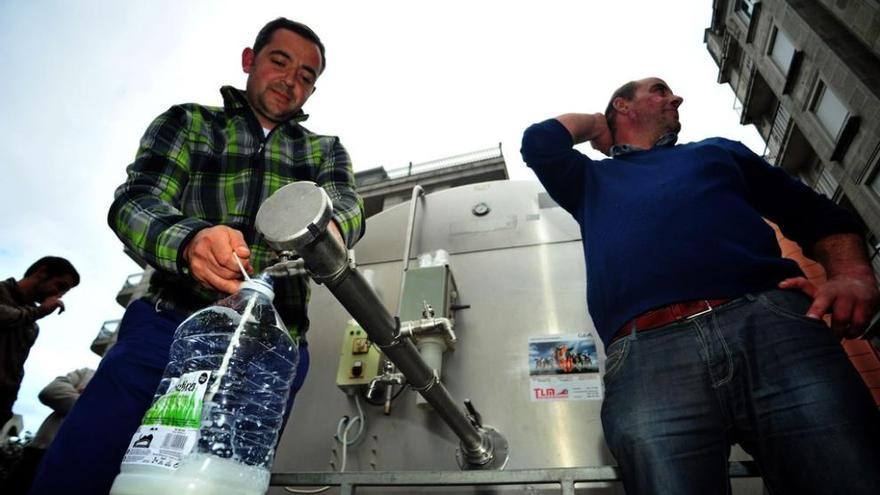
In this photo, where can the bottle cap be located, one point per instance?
(263, 285)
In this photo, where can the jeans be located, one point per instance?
(85, 455)
(19, 481)
(757, 372)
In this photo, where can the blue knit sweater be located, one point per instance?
(677, 223)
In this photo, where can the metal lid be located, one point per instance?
(294, 216)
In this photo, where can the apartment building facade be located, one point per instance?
(806, 74)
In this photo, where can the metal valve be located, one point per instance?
(472, 414)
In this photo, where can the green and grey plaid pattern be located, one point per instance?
(201, 166)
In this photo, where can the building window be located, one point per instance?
(781, 50)
(875, 183)
(830, 111)
(827, 184)
(746, 9)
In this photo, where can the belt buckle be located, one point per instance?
(708, 309)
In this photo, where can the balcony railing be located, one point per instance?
(452, 161)
(778, 132)
(106, 337)
(132, 280)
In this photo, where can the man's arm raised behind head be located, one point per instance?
(592, 127)
(547, 148)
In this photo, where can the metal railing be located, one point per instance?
(108, 328)
(452, 161)
(106, 337)
(778, 132)
(132, 280)
(565, 478)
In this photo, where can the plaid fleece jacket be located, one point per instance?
(201, 166)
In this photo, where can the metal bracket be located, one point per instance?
(434, 381)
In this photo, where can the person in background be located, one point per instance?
(60, 395)
(711, 336)
(188, 208)
(22, 303)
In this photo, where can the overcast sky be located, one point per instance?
(405, 81)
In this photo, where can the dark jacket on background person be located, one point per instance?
(18, 332)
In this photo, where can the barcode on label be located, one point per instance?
(174, 442)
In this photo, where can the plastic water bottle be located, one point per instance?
(218, 410)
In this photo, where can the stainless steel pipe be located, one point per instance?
(295, 219)
(417, 193)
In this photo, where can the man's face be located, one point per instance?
(655, 106)
(281, 77)
(54, 286)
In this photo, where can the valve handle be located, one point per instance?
(472, 414)
(427, 310)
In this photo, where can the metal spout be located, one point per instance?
(295, 219)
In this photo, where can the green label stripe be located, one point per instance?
(176, 409)
(181, 406)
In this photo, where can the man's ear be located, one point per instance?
(40, 273)
(247, 59)
(620, 105)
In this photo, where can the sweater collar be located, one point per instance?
(667, 139)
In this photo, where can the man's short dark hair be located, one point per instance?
(55, 267)
(299, 28)
(627, 92)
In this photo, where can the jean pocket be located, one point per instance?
(614, 360)
(789, 304)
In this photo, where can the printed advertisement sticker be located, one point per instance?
(564, 367)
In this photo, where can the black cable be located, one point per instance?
(400, 391)
(372, 402)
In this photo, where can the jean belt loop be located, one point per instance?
(159, 302)
(708, 309)
(633, 331)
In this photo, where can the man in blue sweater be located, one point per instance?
(712, 337)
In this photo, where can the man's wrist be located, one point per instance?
(182, 261)
(865, 282)
(858, 272)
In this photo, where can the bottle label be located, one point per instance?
(170, 427)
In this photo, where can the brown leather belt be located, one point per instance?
(659, 317)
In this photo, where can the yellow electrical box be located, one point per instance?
(359, 360)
